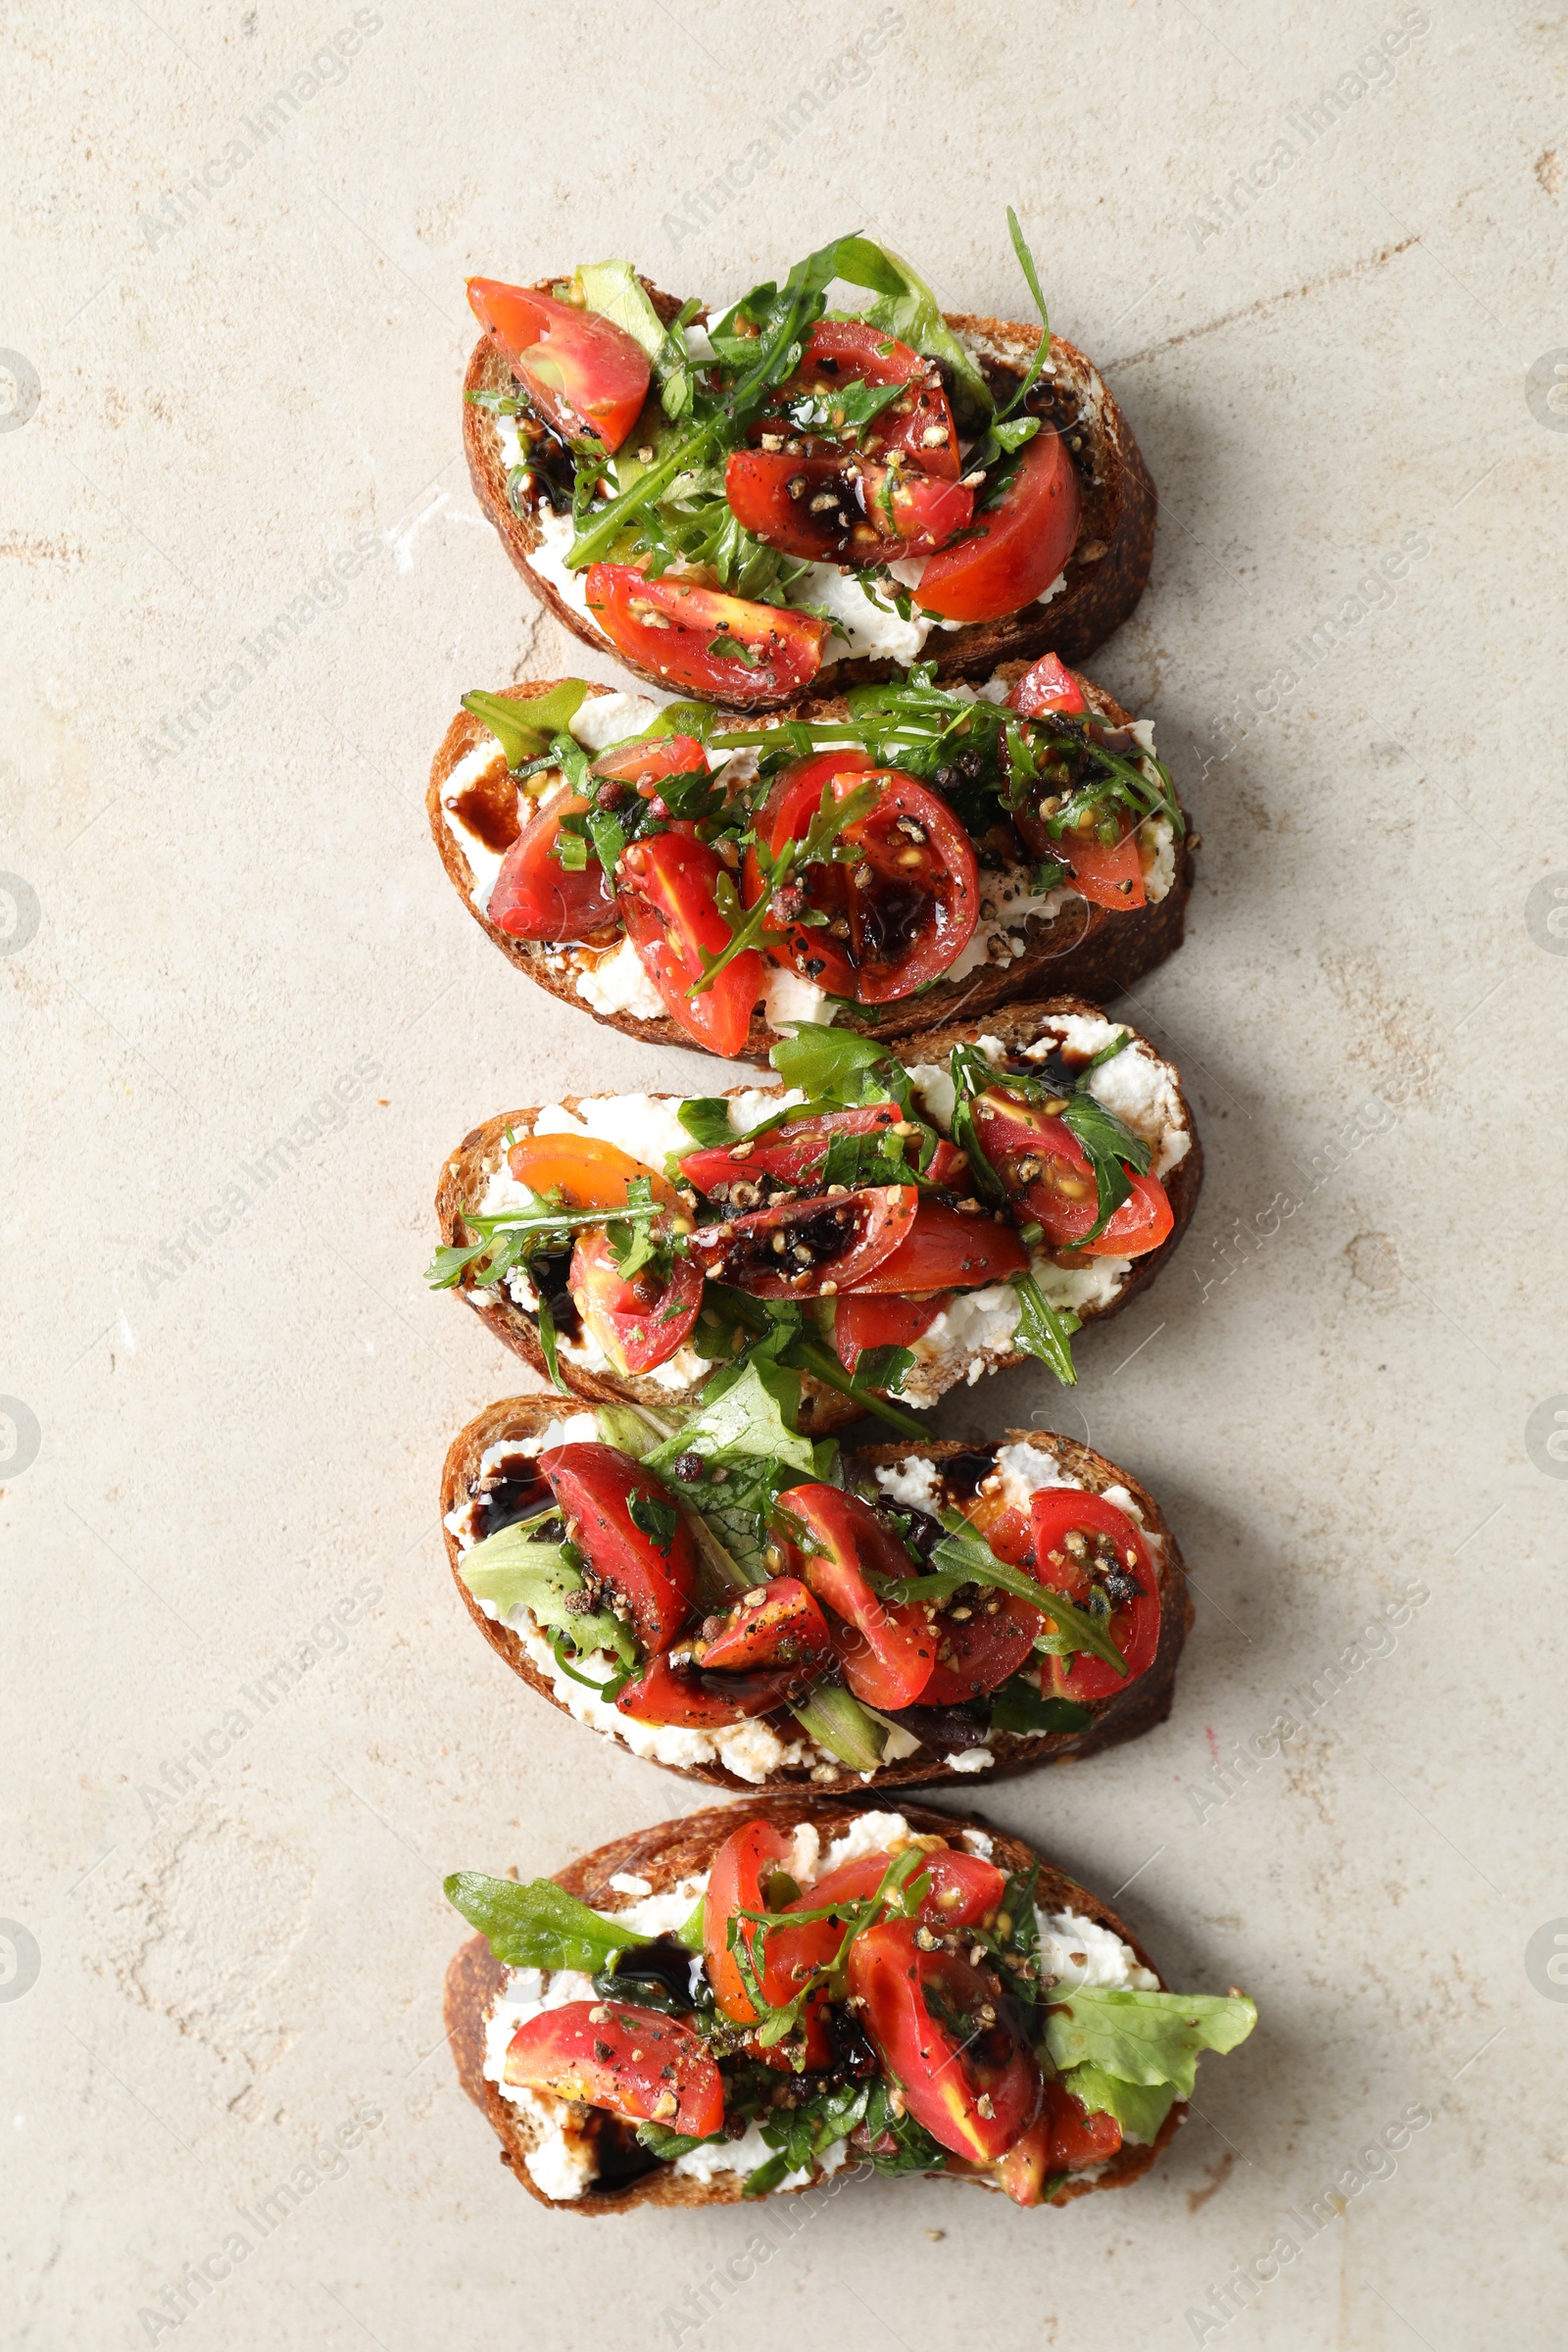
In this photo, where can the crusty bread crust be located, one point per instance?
(464, 1177)
(1087, 951)
(678, 1850)
(1104, 578)
(1126, 1715)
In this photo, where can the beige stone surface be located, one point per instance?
(244, 1016)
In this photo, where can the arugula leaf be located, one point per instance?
(749, 1452)
(666, 2145)
(632, 1237)
(883, 1368)
(836, 1066)
(549, 1344)
(1020, 1706)
(705, 1119)
(1027, 262)
(1139, 2107)
(965, 1558)
(1045, 1331)
(537, 1926)
(833, 818)
(1144, 2037)
(907, 308)
(656, 1516)
(515, 1571)
(614, 290)
(1106, 1143)
(526, 729)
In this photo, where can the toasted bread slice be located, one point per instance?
(479, 1156)
(1125, 1715)
(1082, 950)
(681, 1849)
(1104, 577)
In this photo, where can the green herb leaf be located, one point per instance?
(1045, 1331)
(526, 729)
(1020, 1706)
(656, 1516)
(1107, 1143)
(883, 1368)
(838, 1067)
(1144, 2037)
(705, 1119)
(513, 1570)
(548, 1345)
(614, 290)
(907, 309)
(666, 2145)
(537, 1926)
(1139, 2107)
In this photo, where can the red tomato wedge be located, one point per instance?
(886, 1652)
(1111, 1557)
(948, 1249)
(1106, 874)
(776, 1624)
(899, 915)
(914, 513)
(1047, 686)
(973, 2081)
(641, 1322)
(919, 423)
(668, 904)
(807, 507)
(582, 371)
(964, 1890)
(665, 1692)
(1064, 2138)
(1042, 1164)
(636, 2062)
(645, 763)
(536, 897)
(807, 1249)
(797, 1153)
(741, 1869)
(587, 1173)
(1015, 550)
(865, 1320)
(978, 1653)
(708, 643)
(653, 1578)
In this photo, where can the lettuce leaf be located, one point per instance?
(537, 1926)
(745, 1435)
(614, 290)
(515, 1571)
(1144, 2038)
(907, 308)
(1139, 2107)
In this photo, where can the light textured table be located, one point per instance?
(248, 1725)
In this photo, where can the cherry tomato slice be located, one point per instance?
(886, 1651)
(965, 1890)
(652, 1577)
(1041, 1162)
(807, 1249)
(896, 917)
(914, 513)
(668, 904)
(740, 1872)
(1111, 1557)
(796, 1154)
(682, 633)
(864, 1319)
(645, 763)
(919, 423)
(582, 371)
(1106, 874)
(636, 2062)
(1015, 550)
(665, 1692)
(974, 2083)
(805, 506)
(776, 1624)
(1064, 2138)
(977, 1653)
(1049, 686)
(948, 1249)
(536, 897)
(587, 1173)
(638, 1323)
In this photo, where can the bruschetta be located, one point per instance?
(786, 1995)
(882, 1224)
(884, 863)
(740, 506)
(722, 1596)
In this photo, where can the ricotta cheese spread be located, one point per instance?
(1075, 1949)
